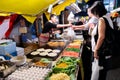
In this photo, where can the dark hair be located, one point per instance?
(98, 9)
(52, 15)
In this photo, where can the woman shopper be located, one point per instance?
(90, 24)
(99, 11)
(87, 57)
(99, 36)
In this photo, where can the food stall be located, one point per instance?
(60, 57)
(60, 60)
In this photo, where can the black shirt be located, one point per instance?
(48, 27)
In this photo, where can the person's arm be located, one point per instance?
(63, 25)
(78, 27)
(101, 36)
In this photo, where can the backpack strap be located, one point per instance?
(108, 31)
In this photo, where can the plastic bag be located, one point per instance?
(71, 17)
(71, 34)
(95, 70)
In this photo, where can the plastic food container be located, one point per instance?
(18, 60)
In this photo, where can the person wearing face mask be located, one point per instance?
(87, 28)
(90, 24)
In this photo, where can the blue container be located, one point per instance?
(8, 58)
(9, 48)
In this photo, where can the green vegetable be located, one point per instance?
(70, 70)
(72, 76)
(45, 60)
(73, 49)
(70, 61)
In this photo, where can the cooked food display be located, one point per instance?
(6, 67)
(48, 50)
(74, 46)
(77, 41)
(52, 54)
(43, 62)
(62, 65)
(3, 67)
(41, 49)
(73, 49)
(43, 53)
(62, 44)
(53, 44)
(60, 76)
(56, 44)
(66, 65)
(35, 53)
(71, 54)
(56, 51)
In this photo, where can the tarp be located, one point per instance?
(60, 7)
(57, 9)
(6, 25)
(27, 8)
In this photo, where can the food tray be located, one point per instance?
(28, 72)
(36, 59)
(46, 56)
(73, 75)
(11, 67)
(33, 56)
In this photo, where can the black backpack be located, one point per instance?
(111, 44)
(110, 47)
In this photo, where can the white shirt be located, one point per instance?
(92, 20)
(94, 32)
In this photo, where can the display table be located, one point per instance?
(64, 50)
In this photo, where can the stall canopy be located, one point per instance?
(28, 8)
(60, 7)
(57, 9)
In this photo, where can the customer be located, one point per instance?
(104, 25)
(90, 24)
(52, 24)
(87, 56)
(99, 36)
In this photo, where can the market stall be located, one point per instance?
(61, 59)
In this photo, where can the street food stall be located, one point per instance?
(58, 58)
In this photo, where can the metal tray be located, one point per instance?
(46, 47)
(36, 59)
(11, 67)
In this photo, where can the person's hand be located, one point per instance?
(96, 54)
(91, 25)
(70, 25)
(73, 26)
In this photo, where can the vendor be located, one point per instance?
(52, 24)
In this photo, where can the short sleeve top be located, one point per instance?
(48, 27)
